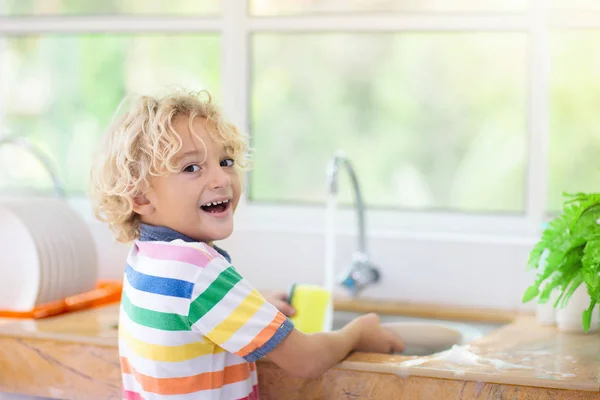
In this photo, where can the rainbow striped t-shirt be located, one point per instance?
(190, 326)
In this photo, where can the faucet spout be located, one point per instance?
(340, 160)
(361, 272)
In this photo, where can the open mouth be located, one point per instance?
(215, 207)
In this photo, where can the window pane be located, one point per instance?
(287, 7)
(61, 91)
(82, 7)
(430, 120)
(574, 128)
(576, 4)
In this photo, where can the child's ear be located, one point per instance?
(142, 205)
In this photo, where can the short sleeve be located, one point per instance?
(227, 310)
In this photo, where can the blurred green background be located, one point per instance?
(432, 120)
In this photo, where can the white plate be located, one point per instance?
(58, 229)
(28, 212)
(82, 248)
(44, 229)
(54, 251)
(423, 338)
(38, 218)
(73, 243)
(43, 244)
(20, 263)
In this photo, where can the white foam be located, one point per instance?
(462, 356)
(458, 355)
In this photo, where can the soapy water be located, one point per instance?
(558, 374)
(535, 352)
(461, 356)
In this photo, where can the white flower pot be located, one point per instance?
(568, 319)
(546, 313)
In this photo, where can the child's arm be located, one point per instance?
(309, 356)
(225, 309)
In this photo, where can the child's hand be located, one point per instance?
(375, 338)
(280, 301)
(311, 355)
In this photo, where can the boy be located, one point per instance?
(167, 179)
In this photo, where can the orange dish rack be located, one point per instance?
(106, 292)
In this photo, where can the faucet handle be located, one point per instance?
(362, 273)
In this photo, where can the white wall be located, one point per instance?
(479, 271)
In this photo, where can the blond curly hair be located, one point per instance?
(142, 143)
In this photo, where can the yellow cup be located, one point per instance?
(311, 303)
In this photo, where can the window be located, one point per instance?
(446, 107)
(574, 149)
(583, 5)
(289, 7)
(443, 125)
(60, 91)
(108, 7)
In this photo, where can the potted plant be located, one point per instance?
(571, 248)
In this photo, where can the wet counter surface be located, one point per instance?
(75, 356)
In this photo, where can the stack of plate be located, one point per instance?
(47, 253)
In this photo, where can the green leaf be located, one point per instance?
(568, 268)
(568, 291)
(535, 255)
(586, 317)
(591, 264)
(568, 252)
(530, 294)
(586, 320)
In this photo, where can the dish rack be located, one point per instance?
(104, 292)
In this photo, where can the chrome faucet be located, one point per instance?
(361, 272)
(40, 156)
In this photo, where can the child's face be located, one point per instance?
(183, 201)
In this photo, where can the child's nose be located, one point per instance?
(219, 178)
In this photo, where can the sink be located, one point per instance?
(424, 336)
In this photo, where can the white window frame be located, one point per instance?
(235, 26)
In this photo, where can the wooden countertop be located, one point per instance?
(435, 311)
(75, 355)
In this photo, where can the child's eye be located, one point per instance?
(228, 162)
(192, 168)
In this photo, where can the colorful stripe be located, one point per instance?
(191, 326)
(252, 396)
(154, 319)
(170, 369)
(157, 336)
(158, 285)
(151, 301)
(129, 395)
(237, 319)
(265, 314)
(264, 335)
(170, 252)
(238, 390)
(208, 275)
(215, 293)
(176, 270)
(157, 352)
(192, 383)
